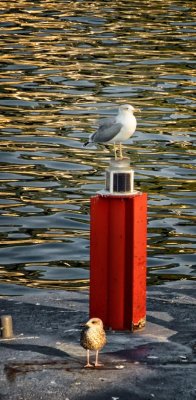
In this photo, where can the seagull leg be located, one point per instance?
(88, 360)
(115, 152)
(120, 150)
(96, 359)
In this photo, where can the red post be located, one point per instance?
(118, 260)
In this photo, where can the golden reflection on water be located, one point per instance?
(63, 65)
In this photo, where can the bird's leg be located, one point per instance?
(115, 152)
(96, 359)
(120, 150)
(88, 359)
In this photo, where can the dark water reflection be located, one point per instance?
(63, 65)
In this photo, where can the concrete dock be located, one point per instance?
(45, 361)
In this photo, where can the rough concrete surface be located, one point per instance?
(45, 360)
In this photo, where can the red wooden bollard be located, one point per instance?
(118, 260)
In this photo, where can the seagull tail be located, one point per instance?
(89, 141)
(86, 144)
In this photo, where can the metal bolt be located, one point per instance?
(6, 327)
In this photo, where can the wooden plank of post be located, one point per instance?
(118, 260)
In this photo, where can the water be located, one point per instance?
(64, 64)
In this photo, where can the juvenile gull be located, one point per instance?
(117, 129)
(93, 337)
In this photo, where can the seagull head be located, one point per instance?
(94, 323)
(127, 109)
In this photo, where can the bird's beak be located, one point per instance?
(84, 325)
(137, 109)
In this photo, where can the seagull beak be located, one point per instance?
(137, 110)
(84, 325)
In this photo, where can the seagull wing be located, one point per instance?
(107, 121)
(107, 130)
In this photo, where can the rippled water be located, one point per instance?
(64, 64)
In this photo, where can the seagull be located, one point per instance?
(117, 129)
(93, 337)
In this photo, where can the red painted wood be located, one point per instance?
(139, 257)
(99, 258)
(136, 236)
(128, 290)
(118, 260)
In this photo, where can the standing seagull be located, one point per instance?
(117, 129)
(93, 337)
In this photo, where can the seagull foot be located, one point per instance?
(88, 365)
(99, 365)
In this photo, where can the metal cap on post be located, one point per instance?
(119, 178)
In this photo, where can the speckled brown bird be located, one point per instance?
(93, 337)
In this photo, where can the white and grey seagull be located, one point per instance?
(117, 129)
